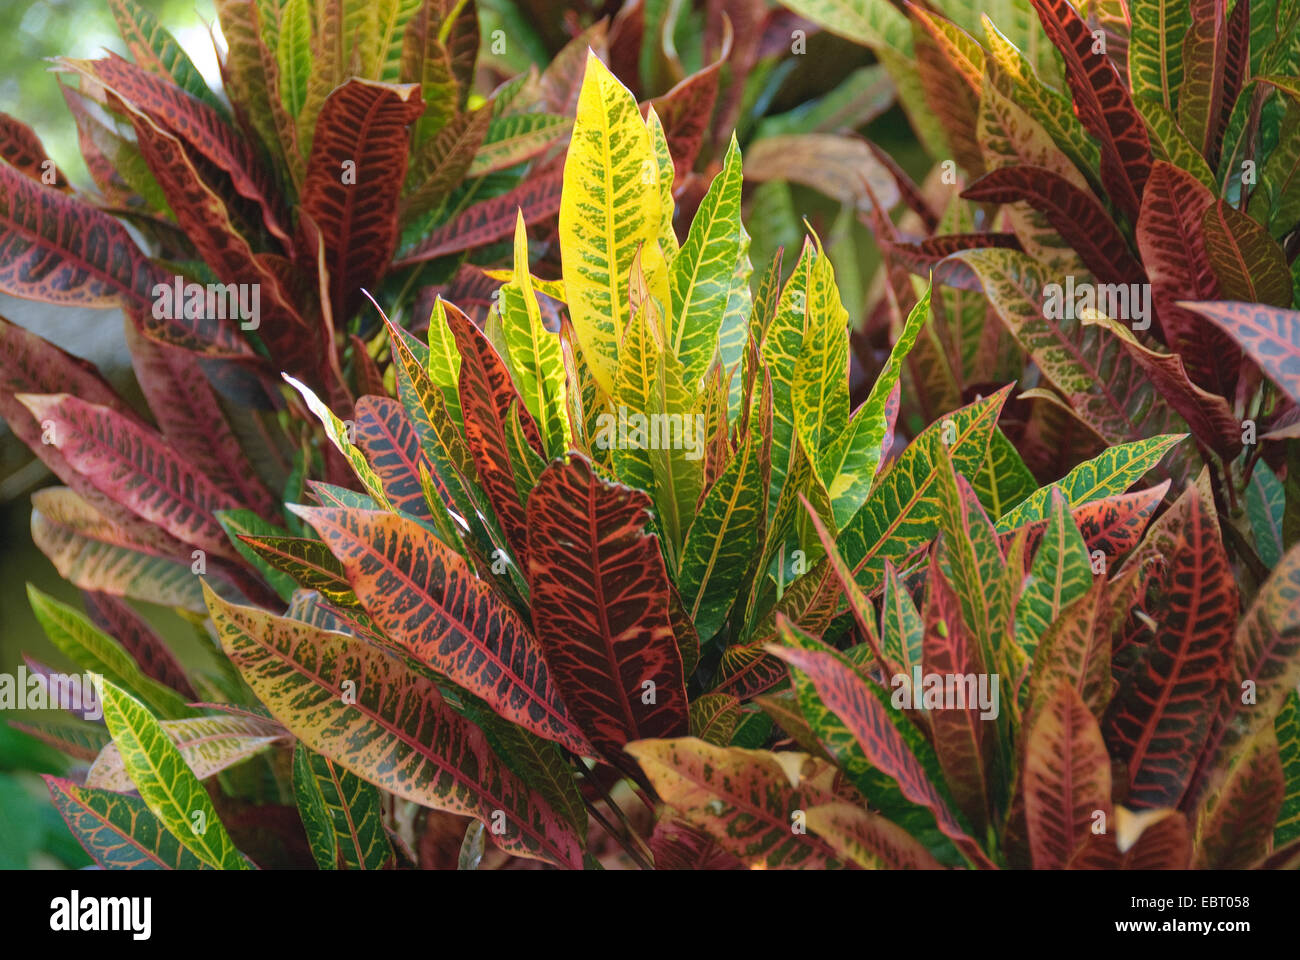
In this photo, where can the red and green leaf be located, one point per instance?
(425, 598)
(360, 707)
(600, 601)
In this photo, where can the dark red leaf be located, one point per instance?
(1103, 105)
(600, 599)
(354, 179)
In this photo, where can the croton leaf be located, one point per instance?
(1109, 473)
(487, 397)
(135, 466)
(534, 352)
(1270, 335)
(1060, 573)
(848, 696)
(963, 739)
(92, 553)
(601, 607)
(1102, 104)
(342, 813)
(1173, 248)
(702, 274)
(1066, 779)
(208, 745)
(868, 839)
(388, 439)
(118, 831)
(59, 250)
(357, 705)
(1155, 50)
(150, 651)
(354, 178)
(725, 536)
(1265, 656)
(91, 649)
(425, 597)
(745, 799)
(170, 790)
(481, 223)
(1159, 723)
(610, 211)
(1249, 264)
(1234, 825)
(903, 511)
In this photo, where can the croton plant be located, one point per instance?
(645, 558)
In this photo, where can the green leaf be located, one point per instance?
(244, 522)
(1003, 480)
(703, 276)
(724, 538)
(535, 357)
(343, 815)
(1265, 507)
(1155, 52)
(903, 511)
(338, 433)
(1287, 727)
(293, 54)
(95, 651)
(168, 787)
(1112, 471)
(1060, 573)
(118, 831)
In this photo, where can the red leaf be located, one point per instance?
(56, 249)
(845, 694)
(1076, 215)
(486, 398)
(1235, 68)
(136, 467)
(1066, 779)
(1102, 104)
(206, 218)
(680, 845)
(1160, 719)
(196, 124)
(387, 437)
(1271, 336)
(1172, 245)
(22, 150)
(601, 608)
(354, 180)
(116, 618)
(948, 649)
(186, 408)
(424, 597)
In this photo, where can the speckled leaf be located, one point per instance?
(743, 798)
(426, 598)
(600, 607)
(118, 831)
(342, 814)
(388, 725)
(167, 786)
